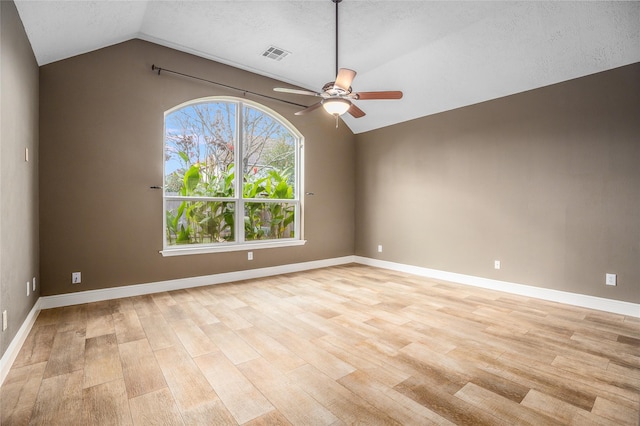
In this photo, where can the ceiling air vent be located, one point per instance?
(275, 53)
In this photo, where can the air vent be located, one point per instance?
(275, 53)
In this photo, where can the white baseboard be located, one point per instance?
(69, 299)
(575, 299)
(12, 351)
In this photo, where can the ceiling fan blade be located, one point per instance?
(355, 111)
(344, 79)
(311, 108)
(295, 91)
(392, 94)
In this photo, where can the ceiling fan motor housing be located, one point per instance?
(333, 90)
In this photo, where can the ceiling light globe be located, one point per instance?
(336, 106)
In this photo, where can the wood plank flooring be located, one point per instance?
(343, 345)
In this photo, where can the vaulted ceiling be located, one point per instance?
(442, 55)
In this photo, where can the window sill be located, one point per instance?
(258, 245)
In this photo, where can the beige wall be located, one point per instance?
(18, 179)
(102, 147)
(547, 182)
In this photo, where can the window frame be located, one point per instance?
(241, 244)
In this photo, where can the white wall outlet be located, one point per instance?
(28, 288)
(379, 248)
(34, 284)
(249, 255)
(496, 264)
(610, 279)
(76, 278)
(4, 320)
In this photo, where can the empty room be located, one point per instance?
(320, 212)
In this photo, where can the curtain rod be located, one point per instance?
(226, 86)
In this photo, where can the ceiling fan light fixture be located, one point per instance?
(336, 106)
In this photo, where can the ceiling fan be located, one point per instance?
(338, 96)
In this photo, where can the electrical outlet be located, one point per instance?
(28, 288)
(249, 255)
(4, 320)
(610, 279)
(76, 278)
(496, 264)
(379, 248)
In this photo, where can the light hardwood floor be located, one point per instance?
(341, 345)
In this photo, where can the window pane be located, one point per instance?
(268, 221)
(268, 163)
(199, 150)
(199, 222)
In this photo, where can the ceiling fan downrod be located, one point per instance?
(336, 2)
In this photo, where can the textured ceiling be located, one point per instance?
(442, 55)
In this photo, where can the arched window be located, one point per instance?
(232, 177)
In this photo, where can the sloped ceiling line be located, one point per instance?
(442, 55)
